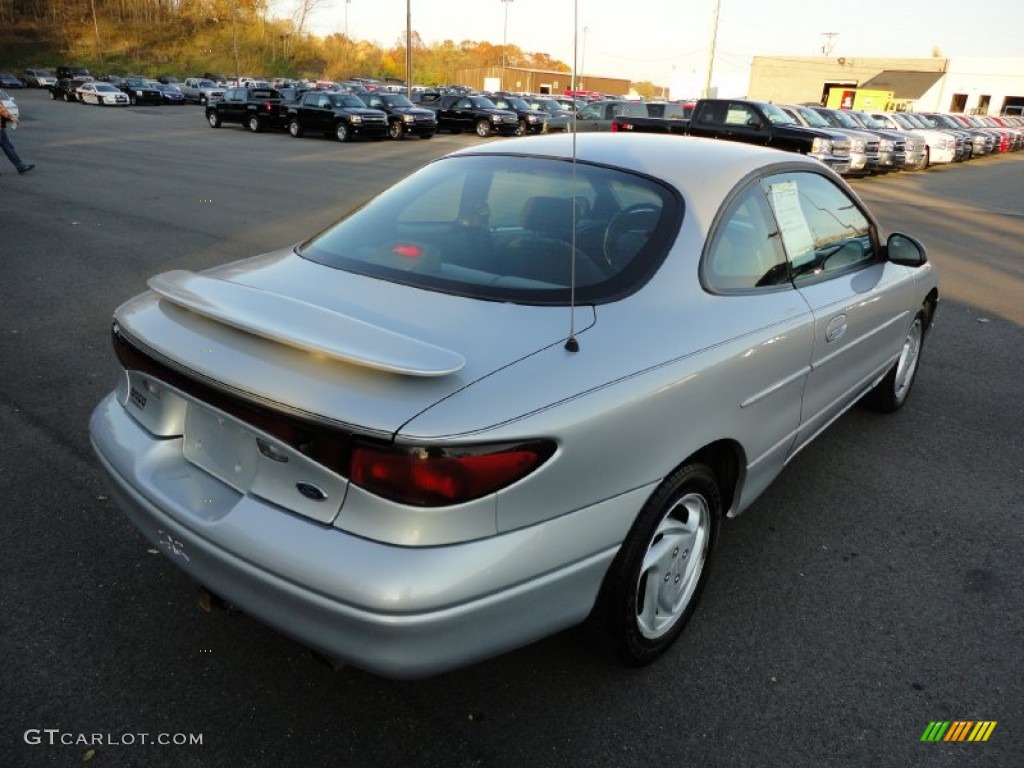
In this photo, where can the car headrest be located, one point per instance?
(548, 216)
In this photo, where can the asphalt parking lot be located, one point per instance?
(875, 587)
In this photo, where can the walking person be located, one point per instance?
(5, 143)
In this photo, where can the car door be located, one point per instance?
(463, 114)
(763, 330)
(595, 117)
(742, 122)
(860, 302)
(322, 114)
(305, 109)
(233, 106)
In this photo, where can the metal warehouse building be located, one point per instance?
(975, 86)
(519, 79)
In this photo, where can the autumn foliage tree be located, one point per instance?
(186, 37)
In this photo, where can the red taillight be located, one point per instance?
(268, 106)
(438, 477)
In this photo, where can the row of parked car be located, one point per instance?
(879, 142)
(885, 141)
(871, 142)
(349, 113)
(116, 91)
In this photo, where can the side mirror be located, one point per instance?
(905, 250)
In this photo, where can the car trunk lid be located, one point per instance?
(333, 346)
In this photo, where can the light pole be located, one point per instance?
(583, 60)
(347, 2)
(408, 49)
(504, 43)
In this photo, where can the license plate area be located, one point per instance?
(221, 446)
(256, 463)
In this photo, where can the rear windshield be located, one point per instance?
(504, 227)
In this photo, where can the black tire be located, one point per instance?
(656, 579)
(395, 130)
(202, 101)
(522, 129)
(53, 96)
(295, 128)
(67, 97)
(483, 128)
(213, 119)
(254, 124)
(132, 99)
(891, 393)
(341, 131)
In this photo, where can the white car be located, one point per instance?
(940, 147)
(10, 103)
(102, 94)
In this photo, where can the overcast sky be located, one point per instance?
(657, 39)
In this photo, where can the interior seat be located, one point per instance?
(544, 249)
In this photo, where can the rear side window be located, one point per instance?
(509, 228)
(745, 253)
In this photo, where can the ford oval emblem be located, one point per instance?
(312, 492)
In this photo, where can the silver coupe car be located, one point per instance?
(520, 388)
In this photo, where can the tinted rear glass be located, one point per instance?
(503, 227)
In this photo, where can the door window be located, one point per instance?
(821, 227)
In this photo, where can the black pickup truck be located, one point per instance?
(255, 108)
(751, 122)
(342, 115)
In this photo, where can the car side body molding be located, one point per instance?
(305, 326)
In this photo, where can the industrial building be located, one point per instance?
(974, 86)
(521, 80)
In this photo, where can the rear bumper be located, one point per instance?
(397, 611)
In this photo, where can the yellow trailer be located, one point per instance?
(859, 98)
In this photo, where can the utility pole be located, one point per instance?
(347, 3)
(504, 44)
(827, 47)
(711, 50)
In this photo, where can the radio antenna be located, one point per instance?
(571, 345)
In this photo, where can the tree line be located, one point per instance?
(186, 37)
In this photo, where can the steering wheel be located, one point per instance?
(628, 231)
